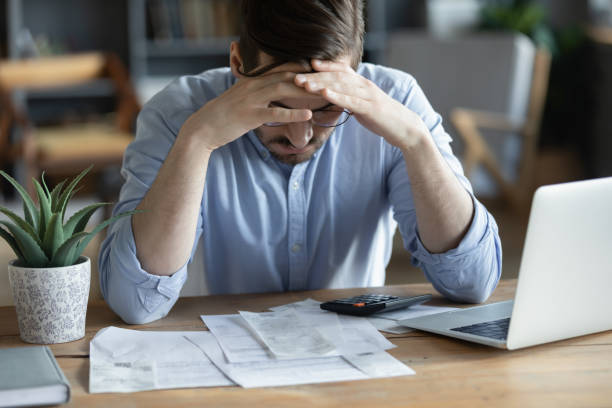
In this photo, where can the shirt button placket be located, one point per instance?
(297, 228)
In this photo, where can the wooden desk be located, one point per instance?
(453, 373)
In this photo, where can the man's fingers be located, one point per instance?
(351, 89)
(353, 104)
(354, 85)
(283, 115)
(261, 82)
(280, 90)
(323, 65)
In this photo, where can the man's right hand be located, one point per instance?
(243, 107)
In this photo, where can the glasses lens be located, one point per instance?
(326, 118)
(330, 117)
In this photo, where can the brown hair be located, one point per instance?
(299, 30)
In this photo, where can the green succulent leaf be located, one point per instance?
(64, 254)
(28, 217)
(45, 209)
(12, 243)
(30, 210)
(21, 223)
(33, 254)
(79, 220)
(73, 247)
(44, 184)
(55, 195)
(67, 193)
(54, 235)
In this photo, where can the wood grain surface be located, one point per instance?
(449, 372)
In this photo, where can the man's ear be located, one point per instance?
(236, 60)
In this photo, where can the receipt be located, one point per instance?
(235, 338)
(123, 360)
(286, 335)
(122, 376)
(273, 373)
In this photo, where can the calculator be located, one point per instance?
(363, 305)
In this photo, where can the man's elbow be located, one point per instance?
(481, 289)
(129, 307)
(476, 295)
(134, 317)
(468, 287)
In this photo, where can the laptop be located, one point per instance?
(565, 278)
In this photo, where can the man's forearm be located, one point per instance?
(165, 231)
(444, 209)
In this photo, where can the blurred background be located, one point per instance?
(524, 89)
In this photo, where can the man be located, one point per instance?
(293, 167)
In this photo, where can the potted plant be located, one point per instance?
(50, 278)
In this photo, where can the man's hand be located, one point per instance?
(243, 107)
(443, 207)
(339, 84)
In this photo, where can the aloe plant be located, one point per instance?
(42, 239)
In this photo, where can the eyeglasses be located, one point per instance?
(327, 116)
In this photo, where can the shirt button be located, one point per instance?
(296, 185)
(296, 248)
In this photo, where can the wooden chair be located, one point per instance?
(469, 123)
(64, 149)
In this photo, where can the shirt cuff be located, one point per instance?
(153, 290)
(459, 256)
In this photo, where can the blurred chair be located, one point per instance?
(469, 123)
(492, 72)
(67, 148)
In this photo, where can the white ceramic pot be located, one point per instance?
(51, 303)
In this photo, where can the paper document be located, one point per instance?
(358, 336)
(286, 334)
(239, 344)
(105, 376)
(389, 326)
(303, 371)
(280, 372)
(379, 365)
(306, 304)
(235, 339)
(123, 360)
(412, 312)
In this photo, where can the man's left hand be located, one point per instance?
(339, 84)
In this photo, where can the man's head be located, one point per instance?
(285, 35)
(298, 31)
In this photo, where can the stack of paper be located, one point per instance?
(122, 360)
(297, 344)
(293, 344)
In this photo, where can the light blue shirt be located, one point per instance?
(268, 227)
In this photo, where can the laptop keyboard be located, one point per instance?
(496, 329)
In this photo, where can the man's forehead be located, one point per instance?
(290, 67)
(265, 59)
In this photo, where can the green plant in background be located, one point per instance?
(567, 100)
(523, 16)
(42, 239)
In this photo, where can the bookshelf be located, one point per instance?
(159, 39)
(174, 37)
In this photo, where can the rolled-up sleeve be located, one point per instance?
(134, 294)
(470, 272)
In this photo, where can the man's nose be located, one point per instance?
(299, 133)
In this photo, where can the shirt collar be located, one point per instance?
(263, 151)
